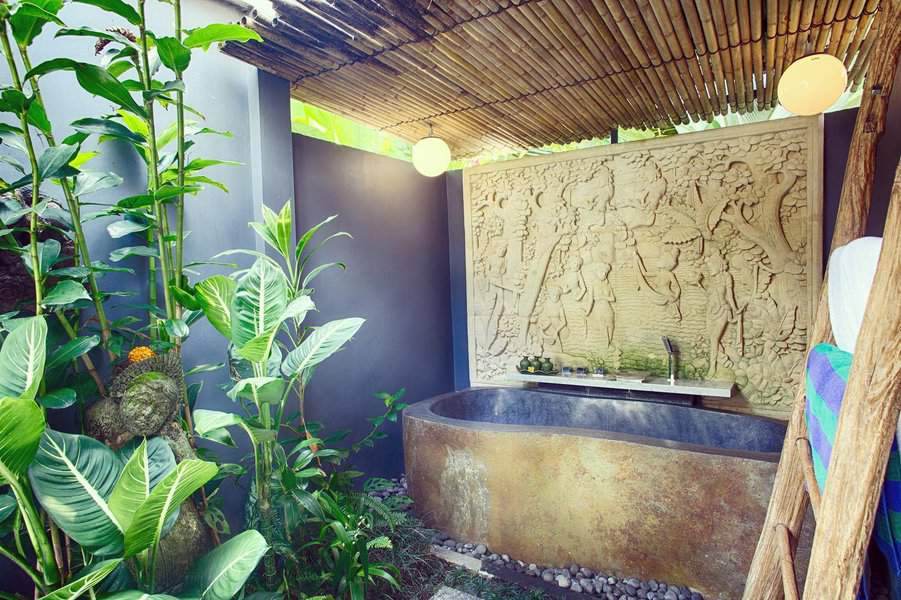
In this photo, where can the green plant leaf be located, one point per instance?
(65, 292)
(138, 595)
(176, 328)
(215, 296)
(261, 390)
(257, 349)
(109, 128)
(30, 16)
(149, 520)
(261, 298)
(173, 53)
(22, 358)
(81, 585)
(61, 398)
(37, 116)
(53, 160)
(8, 507)
(220, 32)
(212, 424)
(21, 426)
(88, 182)
(117, 7)
(149, 463)
(94, 80)
(118, 229)
(123, 253)
(73, 477)
(221, 573)
(319, 345)
(71, 350)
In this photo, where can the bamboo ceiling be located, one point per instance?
(514, 74)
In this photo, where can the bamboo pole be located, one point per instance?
(788, 503)
(787, 563)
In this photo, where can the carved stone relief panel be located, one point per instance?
(710, 238)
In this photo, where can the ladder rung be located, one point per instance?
(787, 562)
(810, 478)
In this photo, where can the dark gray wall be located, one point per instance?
(254, 107)
(397, 278)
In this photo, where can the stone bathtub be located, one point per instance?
(635, 488)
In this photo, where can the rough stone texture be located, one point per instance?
(149, 402)
(715, 235)
(446, 593)
(618, 503)
(144, 399)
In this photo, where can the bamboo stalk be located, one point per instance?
(787, 562)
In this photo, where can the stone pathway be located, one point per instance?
(446, 593)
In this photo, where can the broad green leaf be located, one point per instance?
(73, 477)
(30, 17)
(261, 298)
(150, 462)
(8, 506)
(22, 358)
(173, 53)
(308, 235)
(102, 34)
(123, 253)
(54, 160)
(215, 296)
(65, 292)
(48, 255)
(120, 579)
(257, 349)
(94, 80)
(57, 399)
(221, 573)
(220, 32)
(138, 595)
(118, 229)
(71, 350)
(83, 584)
(21, 427)
(88, 182)
(118, 7)
(149, 521)
(109, 128)
(176, 328)
(261, 390)
(309, 277)
(320, 344)
(212, 424)
(37, 116)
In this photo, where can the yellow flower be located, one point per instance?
(139, 353)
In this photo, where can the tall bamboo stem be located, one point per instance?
(81, 243)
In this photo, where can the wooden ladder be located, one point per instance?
(869, 414)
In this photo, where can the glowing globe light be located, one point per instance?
(812, 84)
(431, 156)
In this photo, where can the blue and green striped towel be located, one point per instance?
(827, 377)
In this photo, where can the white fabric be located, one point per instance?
(851, 271)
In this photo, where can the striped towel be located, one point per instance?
(827, 377)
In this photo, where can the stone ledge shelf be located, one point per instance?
(688, 387)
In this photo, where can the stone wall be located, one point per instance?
(712, 239)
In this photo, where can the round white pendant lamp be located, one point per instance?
(812, 84)
(431, 155)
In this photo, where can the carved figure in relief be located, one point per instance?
(576, 291)
(721, 307)
(639, 209)
(663, 284)
(552, 320)
(602, 299)
(550, 216)
(490, 292)
(590, 194)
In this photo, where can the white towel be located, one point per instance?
(851, 271)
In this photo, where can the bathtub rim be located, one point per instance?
(422, 410)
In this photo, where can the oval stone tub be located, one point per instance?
(634, 488)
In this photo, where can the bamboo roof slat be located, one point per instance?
(514, 74)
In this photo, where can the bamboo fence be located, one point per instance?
(514, 74)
